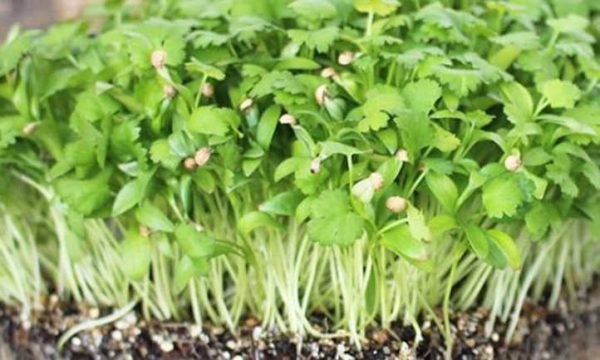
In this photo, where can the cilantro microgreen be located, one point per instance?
(331, 155)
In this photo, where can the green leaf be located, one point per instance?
(314, 9)
(332, 220)
(536, 156)
(195, 243)
(400, 241)
(160, 152)
(422, 95)
(210, 120)
(507, 246)
(518, 104)
(329, 148)
(444, 140)
(12, 51)
(132, 193)
(569, 24)
(267, 125)
(502, 196)
(288, 167)
(441, 224)
(539, 218)
(559, 172)
(187, 268)
(416, 132)
(459, 81)
(195, 66)
(389, 138)
(282, 204)
(592, 173)
(297, 63)
(524, 40)
(561, 94)
(135, 253)
(443, 189)
(85, 196)
(303, 209)
(382, 102)
(379, 7)
(417, 224)
(151, 216)
(320, 39)
(249, 166)
(256, 219)
(478, 239)
(204, 180)
(389, 171)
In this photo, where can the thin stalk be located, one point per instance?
(95, 323)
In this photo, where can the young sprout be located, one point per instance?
(202, 156)
(169, 91)
(144, 231)
(396, 204)
(30, 128)
(402, 155)
(376, 180)
(189, 164)
(287, 119)
(346, 58)
(328, 72)
(513, 163)
(159, 59)
(246, 104)
(208, 90)
(315, 165)
(321, 94)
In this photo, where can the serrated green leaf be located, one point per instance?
(382, 102)
(444, 140)
(211, 120)
(85, 196)
(561, 94)
(502, 196)
(332, 220)
(539, 219)
(160, 152)
(417, 224)
(422, 95)
(320, 40)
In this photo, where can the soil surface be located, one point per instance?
(541, 334)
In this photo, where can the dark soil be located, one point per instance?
(541, 334)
